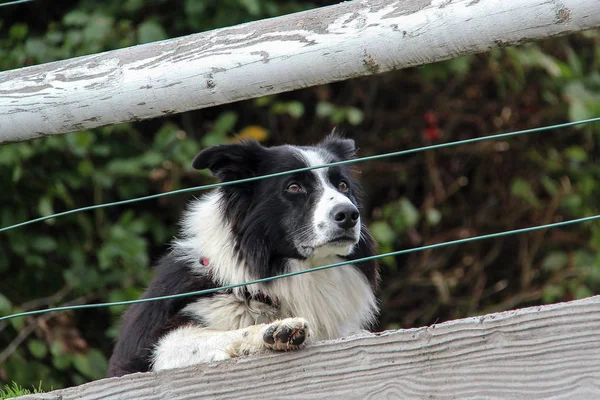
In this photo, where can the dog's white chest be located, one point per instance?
(336, 302)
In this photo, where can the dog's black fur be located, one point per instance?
(261, 216)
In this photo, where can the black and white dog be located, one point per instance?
(255, 230)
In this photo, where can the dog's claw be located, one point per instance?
(287, 334)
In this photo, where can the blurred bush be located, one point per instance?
(106, 255)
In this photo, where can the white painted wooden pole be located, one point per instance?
(547, 352)
(328, 44)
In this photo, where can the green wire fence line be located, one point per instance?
(357, 160)
(256, 178)
(10, 3)
(394, 253)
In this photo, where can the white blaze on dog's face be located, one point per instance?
(298, 216)
(335, 219)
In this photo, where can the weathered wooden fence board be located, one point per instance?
(323, 45)
(547, 352)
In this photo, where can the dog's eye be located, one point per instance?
(343, 186)
(294, 188)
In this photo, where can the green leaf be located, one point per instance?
(5, 305)
(213, 139)
(165, 137)
(354, 115)
(338, 116)
(225, 123)
(433, 216)
(55, 38)
(18, 31)
(92, 365)
(85, 168)
(555, 261)
(324, 109)
(45, 206)
(195, 8)
(576, 153)
(17, 323)
(582, 292)
(78, 379)
(549, 185)
(383, 232)
(520, 188)
(76, 18)
(98, 28)
(133, 5)
(151, 31)
(553, 293)
(579, 99)
(43, 244)
(80, 143)
(252, 6)
(574, 61)
(56, 348)
(37, 49)
(460, 65)
(125, 167)
(409, 212)
(151, 159)
(295, 109)
(17, 173)
(584, 260)
(573, 202)
(402, 214)
(263, 101)
(37, 348)
(62, 362)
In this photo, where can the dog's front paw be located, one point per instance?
(286, 334)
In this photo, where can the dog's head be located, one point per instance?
(305, 215)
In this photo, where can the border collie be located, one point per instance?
(254, 230)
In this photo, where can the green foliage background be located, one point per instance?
(106, 255)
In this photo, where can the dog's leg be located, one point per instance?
(190, 345)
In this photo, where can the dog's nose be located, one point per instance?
(345, 215)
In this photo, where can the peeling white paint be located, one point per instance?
(270, 56)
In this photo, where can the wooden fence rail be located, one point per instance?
(327, 44)
(546, 352)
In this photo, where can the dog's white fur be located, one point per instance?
(322, 223)
(335, 302)
(190, 345)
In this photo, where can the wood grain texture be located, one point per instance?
(547, 352)
(319, 46)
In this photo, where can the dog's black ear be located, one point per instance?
(231, 161)
(345, 149)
